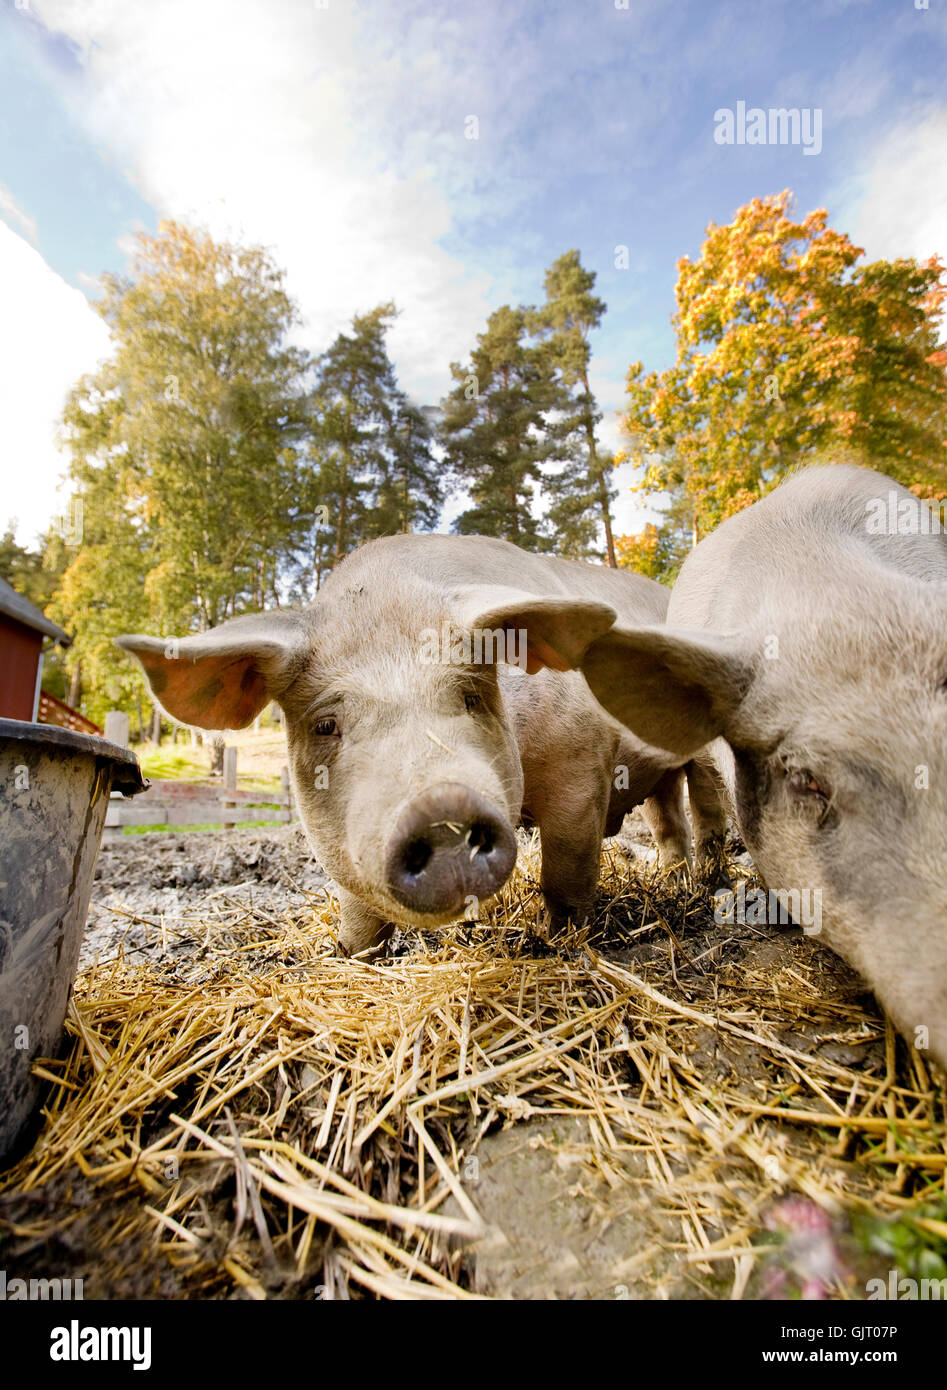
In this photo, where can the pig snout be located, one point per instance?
(449, 844)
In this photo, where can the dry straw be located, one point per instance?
(253, 1115)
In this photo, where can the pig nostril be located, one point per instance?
(448, 842)
(416, 856)
(481, 838)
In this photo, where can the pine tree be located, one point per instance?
(371, 471)
(494, 430)
(409, 495)
(355, 390)
(581, 490)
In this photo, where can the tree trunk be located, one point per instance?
(596, 473)
(217, 755)
(514, 512)
(343, 516)
(75, 685)
(607, 519)
(156, 727)
(340, 536)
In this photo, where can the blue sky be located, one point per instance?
(337, 135)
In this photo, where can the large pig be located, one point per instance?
(413, 755)
(810, 633)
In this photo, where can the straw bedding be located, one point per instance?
(244, 1113)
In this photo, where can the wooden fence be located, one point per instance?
(201, 803)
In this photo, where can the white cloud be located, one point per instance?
(50, 337)
(335, 136)
(309, 130)
(10, 211)
(631, 510)
(896, 204)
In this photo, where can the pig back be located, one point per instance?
(454, 563)
(811, 536)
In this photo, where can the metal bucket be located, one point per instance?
(54, 792)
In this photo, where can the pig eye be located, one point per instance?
(803, 784)
(325, 728)
(471, 702)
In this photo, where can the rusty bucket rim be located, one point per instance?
(126, 776)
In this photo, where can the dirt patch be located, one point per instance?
(659, 1104)
(159, 893)
(559, 1227)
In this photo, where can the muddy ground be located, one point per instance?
(142, 879)
(557, 1230)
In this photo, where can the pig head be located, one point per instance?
(816, 647)
(404, 764)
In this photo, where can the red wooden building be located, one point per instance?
(22, 632)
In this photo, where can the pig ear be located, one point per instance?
(222, 679)
(558, 630)
(673, 687)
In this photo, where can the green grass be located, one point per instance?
(174, 765)
(917, 1252)
(201, 825)
(187, 765)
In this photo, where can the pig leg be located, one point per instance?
(362, 930)
(708, 802)
(571, 834)
(666, 818)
